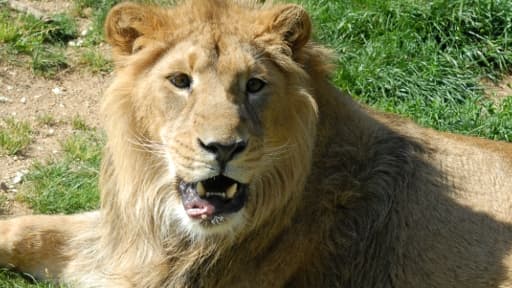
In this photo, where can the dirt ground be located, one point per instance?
(499, 91)
(48, 7)
(24, 96)
(28, 97)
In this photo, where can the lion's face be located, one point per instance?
(214, 122)
(218, 107)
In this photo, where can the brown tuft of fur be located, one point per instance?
(339, 195)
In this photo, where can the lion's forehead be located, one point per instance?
(239, 20)
(228, 60)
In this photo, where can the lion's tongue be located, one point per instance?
(199, 208)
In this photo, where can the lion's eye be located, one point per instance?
(254, 85)
(180, 80)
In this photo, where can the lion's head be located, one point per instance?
(210, 119)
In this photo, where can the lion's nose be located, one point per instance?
(224, 152)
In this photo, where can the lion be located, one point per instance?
(232, 161)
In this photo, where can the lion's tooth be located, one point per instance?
(200, 189)
(232, 191)
(218, 194)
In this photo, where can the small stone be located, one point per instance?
(76, 43)
(23, 100)
(4, 99)
(57, 90)
(19, 177)
(51, 132)
(9, 87)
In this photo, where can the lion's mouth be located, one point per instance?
(212, 197)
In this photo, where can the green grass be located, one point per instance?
(15, 136)
(100, 8)
(10, 279)
(94, 61)
(69, 184)
(78, 123)
(46, 120)
(423, 59)
(65, 185)
(48, 62)
(42, 41)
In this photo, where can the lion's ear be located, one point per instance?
(292, 22)
(126, 22)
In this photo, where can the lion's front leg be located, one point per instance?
(40, 245)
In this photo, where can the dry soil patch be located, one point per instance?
(28, 97)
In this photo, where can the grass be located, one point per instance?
(422, 59)
(69, 184)
(15, 136)
(100, 8)
(46, 120)
(43, 42)
(10, 279)
(65, 185)
(94, 61)
(78, 123)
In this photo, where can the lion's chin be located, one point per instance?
(212, 200)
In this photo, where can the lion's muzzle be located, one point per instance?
(212, 197)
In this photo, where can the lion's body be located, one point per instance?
(338, 196)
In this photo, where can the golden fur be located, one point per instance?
(338, 196)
